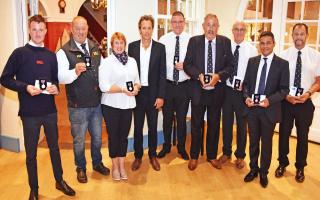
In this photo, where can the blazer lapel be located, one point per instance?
(219, 53)
(272, 71)
(255, 72)
(137, 53)
(152, 55)
(202, 54)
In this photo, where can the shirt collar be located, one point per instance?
(35, 45)
(79, 44)
(270, 56)
(302, 50)
(213, 41)
(149, 47)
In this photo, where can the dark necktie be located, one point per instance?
(209, 61)
(262, 82)
(236, 61)
(83, 46)
(175, 60)
(297, 74)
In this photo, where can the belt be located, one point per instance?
(176, 82)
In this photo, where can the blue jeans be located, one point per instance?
(82, 119)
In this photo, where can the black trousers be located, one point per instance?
(145, 106)
(211, 101)
(301, 115)
(31, 132)
(176, 101)
(234, 104)
(260, 128)
(118, 122)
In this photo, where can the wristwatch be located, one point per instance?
(309, 93)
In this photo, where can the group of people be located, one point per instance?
(215, 73)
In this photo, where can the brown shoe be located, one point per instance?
(155, 164)
(215, 163)
(240, 163)
(192, 165)
(224, 158)
(136, 164)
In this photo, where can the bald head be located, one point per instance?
(79, 29)
(239, 31)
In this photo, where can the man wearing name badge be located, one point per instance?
(233, 102)
(78, 63)
(27, 66)
(176, 98)
(151, 60)
(304, 63)
(209, 63)
(267, 81)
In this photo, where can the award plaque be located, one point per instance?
(236, 84)
(299, 91)
(256, 99)
(87, 61)
(130, 86)
(175, 60)
(296, 91)
(207, 78)
(43, 84)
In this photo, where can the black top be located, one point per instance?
(25, 65)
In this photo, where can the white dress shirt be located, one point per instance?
(310, 69)
(169, 40)
(66, 75)
(213, 47)
(246, 51)
(36, 45)
(113, 72)
(269, 60)
(144, 64)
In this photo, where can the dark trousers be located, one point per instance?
(31, 131)
(302, 115)
(118, 122)
(176, 101)
(211, 101)
(145, 106)
(260, 128)
(234, 104)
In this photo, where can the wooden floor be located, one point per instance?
(174, 181)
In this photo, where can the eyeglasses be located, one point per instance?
(239, 30)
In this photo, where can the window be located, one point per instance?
(165, 10)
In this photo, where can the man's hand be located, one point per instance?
(303, 97)
(249, 102)
(179, 66)
(159, 103)
(214, 80)
(292, 99)
(33, 91)
(52, 89)
(80, 67)
(201, 79)
(264, 103)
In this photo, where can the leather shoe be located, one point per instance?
(163, 153)
(215, 163)
(224, 158)
(33, 195)
(155, 164)
(280, 171)
(264, 180)
(300, 175)
(184, 155)
(192, 165)
(250, 176)
(65, 188)
(81, 175)
(101, 169)
(136, 164)
(240, 163)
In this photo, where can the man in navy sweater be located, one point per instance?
(32, 71)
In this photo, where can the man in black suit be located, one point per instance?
(267, 81)
(208, 57)
(151, 60)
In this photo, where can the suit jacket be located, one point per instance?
(194, 63)
(277, 85)
(157, 67)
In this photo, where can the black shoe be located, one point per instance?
(280, 171)
(264, 180)
(184, 155)
(81, 175)
(300, 175)
(102, 169)
(65, 188)
(163, 153)
(33, 195)
(250, 176)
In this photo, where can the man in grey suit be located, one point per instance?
(265, 85)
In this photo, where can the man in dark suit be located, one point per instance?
(267, 81)
(208, 56)
(151, 60)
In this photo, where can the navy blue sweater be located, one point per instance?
(25, 65)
